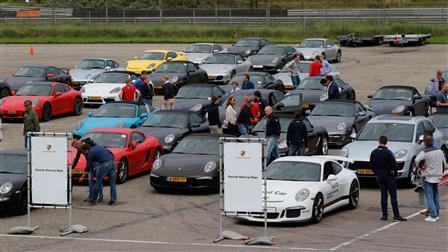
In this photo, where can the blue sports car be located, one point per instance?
(114, 115)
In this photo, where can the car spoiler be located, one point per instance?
(345, 161)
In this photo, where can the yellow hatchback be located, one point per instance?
(150, 60)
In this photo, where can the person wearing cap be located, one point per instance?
(129, 93)
(315, 67)
(30, 121)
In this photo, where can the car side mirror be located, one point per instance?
(58, 94)
(143, 115)
(361, 113)
(239, 62)
(134, 144)
(420, 139)
(169, 58)
(280, 105)
(108, 68)
(370, 96)
(307, 112)
(328, 46)
(215, 51)
(353, 136)
(331, 178)
(90, 114)
(50, 75)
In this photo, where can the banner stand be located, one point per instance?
(230, 234)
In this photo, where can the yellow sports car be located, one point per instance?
(150, 60)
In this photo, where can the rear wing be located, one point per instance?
(345, 162)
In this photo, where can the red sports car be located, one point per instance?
(49, 99)
(134, 151)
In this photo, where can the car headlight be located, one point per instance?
(275, 60)
(283, 144)
(210, 166)
(248, 51)
(399, 109)
(78, 125)
(83, 89)
(341, 126)
(157, 164)
(174, 79)
(196, 107)
(400, 154)
(150, 66)
(35, 103)
(302, 194)
(5, 188)
(169, 138)
(121, 125)
(344, 152)
(115, 90)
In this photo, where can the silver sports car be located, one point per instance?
(310, 48)
(221, 67)
(403, 133)
(199, 52)
(86, 71)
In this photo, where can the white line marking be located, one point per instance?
(371, 232)
(155, 242)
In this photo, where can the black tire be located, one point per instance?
(77, 107)
(22, 206)
(411, 180)
(353, 196)
(122, 171)
(46, 112)
(318, 208)
(338, 56)
(323, 146)
(4, 93)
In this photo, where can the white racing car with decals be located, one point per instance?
(304, 188)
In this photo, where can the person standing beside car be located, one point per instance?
(294, 70)
(273, 130)
(384, 166)
(247, 84)
(213, 116)
(140, 81)
(234, 87)
(297, 136)
(30, 121)
(147, 91)
(326, 66)
(169, 93)
(229, 126)
(129, 93)
(315, 67)
(442, 99)
(262, 103)
(244, 118)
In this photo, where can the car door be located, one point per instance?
(240, 67)
(343, 94)
(290, 51)
(328, 186)
(330, 48)
(193, 75)
(217, 48)
(341, 184)
(420, 130)
(142, 109)
(138, 156)
(61, 100)
(216, 91)
(198, 124)
(313, 138)
(361, 116)
(419, 104)
(110, 64)
(54, 75)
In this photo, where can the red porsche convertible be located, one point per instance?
(134, 151)
(49, 99)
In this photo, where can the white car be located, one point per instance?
(106, 87)
(310, 48)
(303, 188)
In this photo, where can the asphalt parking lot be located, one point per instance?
(144, 220)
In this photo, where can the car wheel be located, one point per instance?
(77, 108)
(413, 175)
(4, 93)
(122, 171)
(353, 197)
(324, 146)
(318, 208)
(46, 112)
(22, 206)
(338, 56)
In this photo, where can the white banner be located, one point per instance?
(49, 170)
(243, 182)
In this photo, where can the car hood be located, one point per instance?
(282, 190)
(142, 64)
(264, 59)
(309, 96)
(106, 122)
(17, 82)
(101, 88)
(161, 133)
(310, 52)
(215, 69)
(331, 122)
(197, 57)
(156, 78)
(381, 107)
(190, 103)
(79, 74)
(190, 165)
(17, 101)
(17, 180)
(360, 150)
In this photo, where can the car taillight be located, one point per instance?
(13, 92)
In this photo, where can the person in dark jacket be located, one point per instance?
(297, 136)
(384, 166)
(330, 87)
(140, 81)
(213, 116)
(169, 93)
(243, 119)
(262, 103)
(247, 84)
(146, 91)
(273, 130)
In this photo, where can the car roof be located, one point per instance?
(200, 85)
(37, 65)
(121, 71)
(114, 130)
(252, 73)
(398, 86)
(316, 39)
(341, 101)
(232, 53)
(126, 102)
(210, 135)
(43, 83)
(396, 119)
(177, 61)
(186, 111)
(13, 152)
(310, 159)
(284, 46)
(97, 59)
(204, 44)
(161, 51)
(251, 91)
(252, 38)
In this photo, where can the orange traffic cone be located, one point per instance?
(31, 51)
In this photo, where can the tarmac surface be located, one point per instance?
(144, 220)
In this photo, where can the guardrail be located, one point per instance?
(44, 11)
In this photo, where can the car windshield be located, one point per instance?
(167, 120)
(272, 50)
(247, 43)
(199, 49)
(92, 63)
(333, 109)
(112, 78)
(35, 90)
(194, 92)
(312, 44)
(152, 56)
(172, 67)
(310, 84)
(294, 171)
(291, 100)
(198, 145)
(227, 59)
(36, 72)
(116, 110)
(441, 121)
(304, 67)
(395, 132)
(107, 139)
(13, 163)
(284, 124)
(258, 80)
(404, 94)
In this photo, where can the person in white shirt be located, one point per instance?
(431, 162)
(229, 126)
(234, 87)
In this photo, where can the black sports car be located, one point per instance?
(197, 96)
(180, 73)
(193, 164)
(289, 104)
(272, 58)
(13, 181)
(261, 80)
(317, 135)
(249, 46)
(170, 126)
(353, 39)
(312, 90)
(31, 73)
(343, 119)
(400, 100)
(5, 89)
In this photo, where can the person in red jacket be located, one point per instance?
(315, 67)
(129, 92)
(254, 110)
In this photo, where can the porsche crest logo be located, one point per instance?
(242, 153)
(49, 147)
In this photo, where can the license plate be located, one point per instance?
(365, 171)
(94, 98)
(176, 179)
(12, 112)
(257, 66)
(78, 171)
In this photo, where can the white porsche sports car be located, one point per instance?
(301, 189)
(106, 87)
